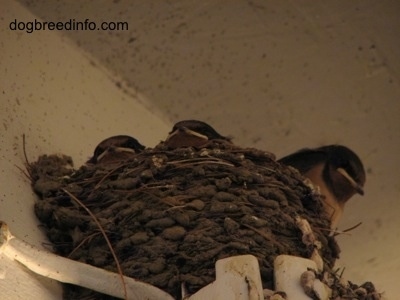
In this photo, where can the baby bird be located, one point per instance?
(336, 170)
(192, 133)
(115, 147)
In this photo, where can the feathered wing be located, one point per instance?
(305, 159)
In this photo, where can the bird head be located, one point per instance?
(116, 144)
(192, 133)
(343, 172)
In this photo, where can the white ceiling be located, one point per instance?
(276, 75)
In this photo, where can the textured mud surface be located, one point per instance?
(171, 214)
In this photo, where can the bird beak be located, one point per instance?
(194, 133)
(115, 150)
(353, 183)
(188, 132)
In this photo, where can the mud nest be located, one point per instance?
(171, 214)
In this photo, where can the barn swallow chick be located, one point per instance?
(115, 147)
(192, 133)
(336, 170)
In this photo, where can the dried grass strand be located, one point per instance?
(105, 237)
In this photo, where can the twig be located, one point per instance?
(347, 230)
(335, 232)
(105, 237)
(107, 175)
(341, 273)
(353, 227)
(198, 161)
(23, 172)
(82, 242)
(27, 163)
(264, 235)
(24, 149)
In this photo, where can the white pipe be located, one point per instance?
(69, 271)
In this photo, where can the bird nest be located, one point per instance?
(170, 214)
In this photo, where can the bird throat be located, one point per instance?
(333, 207)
